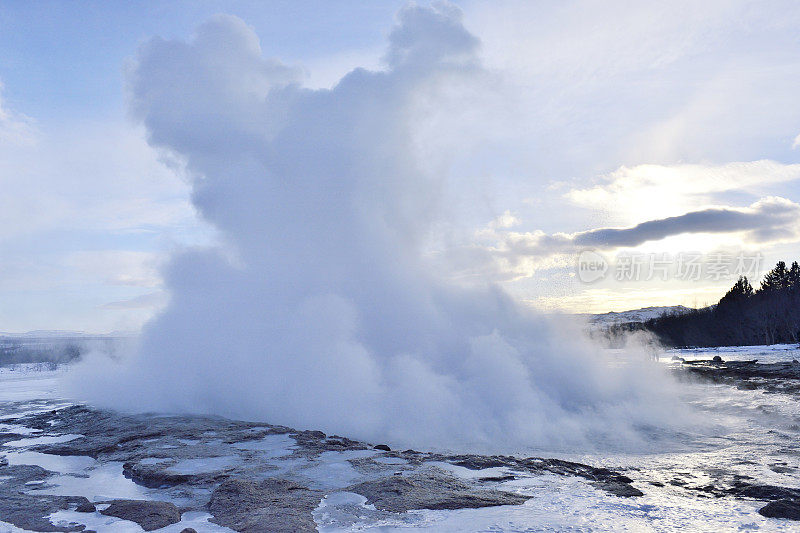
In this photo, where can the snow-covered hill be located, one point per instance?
(634, 315)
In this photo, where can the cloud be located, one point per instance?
(16, 129)
(768, 220)
(513, 254)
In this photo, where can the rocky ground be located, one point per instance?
(69, 467)
(249, 477)
(253, 477)
(780, 377)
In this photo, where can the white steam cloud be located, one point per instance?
(322, 312)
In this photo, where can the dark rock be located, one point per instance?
(148, 514)
(86, 507)
(30, 512)
(153, 476)
(8, 437)
(765, 492)
(431, 489)
(188, 530)
(273, 505)
(617, 488)
(781, 509)
(383, 447)
(508, 477)
(479, 462)
(716, 359)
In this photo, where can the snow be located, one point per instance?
(775, 353)
(634, 315)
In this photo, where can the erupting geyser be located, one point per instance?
(321, 310)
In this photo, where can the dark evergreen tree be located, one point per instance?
(794, 276)
(741, 291)
(743, 316)
(776, 279)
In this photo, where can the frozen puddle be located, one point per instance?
(270, 446)
(108, 524)
(76, 464)
(20, 430)
(34, 441)
(332, 470)
(103, 482)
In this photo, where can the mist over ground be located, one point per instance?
(322, 308)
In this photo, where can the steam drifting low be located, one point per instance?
(320, 311)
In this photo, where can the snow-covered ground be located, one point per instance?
(775, 353)
(754, 436)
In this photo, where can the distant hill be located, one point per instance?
(634, 315)
(54, 347)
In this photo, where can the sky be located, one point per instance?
(656, 143)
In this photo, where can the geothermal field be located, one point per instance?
(395, 266)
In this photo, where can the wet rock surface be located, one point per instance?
(430, 489)
(275, 505)
(28, 511)
(148, 514)
(783, 377)
(249, 476)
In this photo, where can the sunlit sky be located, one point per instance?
(677, 122)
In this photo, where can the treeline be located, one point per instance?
(744, 316)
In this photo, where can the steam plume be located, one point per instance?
(321, 310)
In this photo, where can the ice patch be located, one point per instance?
(33, 441)
(104, 482)
(270, 446)
(108, 524)
(332, 470)
(467, 473)
(18, 429)
(76, 464)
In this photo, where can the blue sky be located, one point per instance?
(588, 116)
